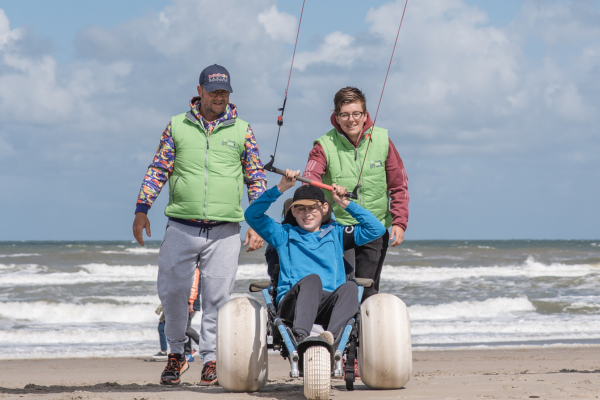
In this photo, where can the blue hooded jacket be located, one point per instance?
(302, 253)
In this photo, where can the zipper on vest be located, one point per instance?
(206, 175)
(360, 200)
(358, 169)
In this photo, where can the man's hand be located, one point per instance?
(191, 308)
(140, 222)
(255, 241)
(398, 234)
(338, 196)
(288, 181)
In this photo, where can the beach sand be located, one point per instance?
(550, 373)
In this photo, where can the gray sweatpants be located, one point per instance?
(217, 251)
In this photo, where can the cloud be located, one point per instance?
(461, 96)
(337, 49)
(279, 25)
(6, 34)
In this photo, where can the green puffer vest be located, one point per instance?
(343, 167)
(207, 180)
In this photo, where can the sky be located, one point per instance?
(493, 106)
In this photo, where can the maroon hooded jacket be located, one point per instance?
(397, 181)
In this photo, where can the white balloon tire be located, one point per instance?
(242, 357)
(317, 373)
(385, 349)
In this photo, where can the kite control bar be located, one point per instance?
(269, 167)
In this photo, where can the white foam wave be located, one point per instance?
(534, 324)
(20, 255)
(582, 305)
(529, 269)
(133, 250)
(64, 313)
(534, 328)
(414, 253)
(252, 271)
(76, 336)
(87, 350)
(489, 308)
(150, 299)
(89, 273)
(27, 268)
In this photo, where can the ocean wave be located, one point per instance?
(89, 273)
(530, 329)
(76, 336)
(489, 308)
(132, 250)
(87, 350)
(252, 271)
(26, 268)
(34, 275)
(149, 299)
(20, 255)
(65, 313)
(533, 324)
(529, 269)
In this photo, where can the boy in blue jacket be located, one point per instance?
(312, 284)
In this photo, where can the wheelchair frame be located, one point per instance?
(347, 342)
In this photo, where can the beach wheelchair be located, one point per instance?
(378, 334)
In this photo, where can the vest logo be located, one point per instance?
(218, 78)
(229, 143)
(376, 164)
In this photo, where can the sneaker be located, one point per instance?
(190, 357)
(327, 336)
(209, 372)
(176, 366)
(161, 356)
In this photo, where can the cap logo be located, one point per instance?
(218, 78)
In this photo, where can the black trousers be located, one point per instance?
(368, 262)
(192, 334)
(306, 303)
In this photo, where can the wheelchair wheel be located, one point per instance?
(385, 352)
(317, 373)
(242, 358)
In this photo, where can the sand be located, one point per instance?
(550, 373)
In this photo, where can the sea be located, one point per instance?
(82, 299)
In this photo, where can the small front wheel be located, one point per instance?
(317, 373)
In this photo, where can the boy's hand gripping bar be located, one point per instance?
(269, 167)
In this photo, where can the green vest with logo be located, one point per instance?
(343, 167)
(207, 180)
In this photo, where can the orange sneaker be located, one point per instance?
(176, 366)
(209, 372)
